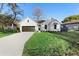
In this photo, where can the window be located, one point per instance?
(39, 28)
(27, 20)
(55, 26)
(39, 25)
(45, 26)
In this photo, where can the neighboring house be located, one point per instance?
(71, 26)
(8, 27)
(40, 25)
(14, 25)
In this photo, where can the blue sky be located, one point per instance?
(56, 10)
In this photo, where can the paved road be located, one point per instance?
(12, 45)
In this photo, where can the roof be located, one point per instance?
(42, 21)
(51, 20)
(28, 22)
(39, 21)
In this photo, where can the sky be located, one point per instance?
(56, 10)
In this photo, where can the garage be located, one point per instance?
(28, 25)
(28, 28)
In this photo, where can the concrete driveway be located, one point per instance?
(13, 45)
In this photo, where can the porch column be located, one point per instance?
(20, 28)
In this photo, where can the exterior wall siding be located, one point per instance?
(72, 27)
(30, 23)
(50, 27)
(49, 23)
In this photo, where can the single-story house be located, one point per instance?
(28, 25)
(51, 25)
(71, 26)
(40, 25)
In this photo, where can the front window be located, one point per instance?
(27, 20)
(39, 28)
(55, 26)
(45, 26)
(39, 25)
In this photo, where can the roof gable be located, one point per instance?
(28, 22)
(51, 20)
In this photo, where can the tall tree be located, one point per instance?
(11, 16)
(14, 8)
(6, 20)
(71, 18)
(37, 12)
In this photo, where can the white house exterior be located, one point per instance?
(48, 25)
(28, 25)
(51, 25)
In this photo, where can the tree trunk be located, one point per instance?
(3, 28)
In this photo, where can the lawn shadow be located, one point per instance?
(71, 37)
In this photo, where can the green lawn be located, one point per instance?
(55, 43)
(2, 34)
(7, 32)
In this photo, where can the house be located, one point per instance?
(51, 25)
(71, 26)
(10, 26)
(39, 25)
(28, 25)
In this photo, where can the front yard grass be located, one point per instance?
(55, 43)
(7, 32)
(2, 34)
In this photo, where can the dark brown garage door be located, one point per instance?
(28, 28)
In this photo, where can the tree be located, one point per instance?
(6, 20)
(37, 12)
(14, 8)
(71, 18)
(11, 16)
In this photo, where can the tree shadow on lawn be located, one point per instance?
(71, 37)
(73, 49)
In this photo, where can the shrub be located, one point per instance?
(11, 30)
